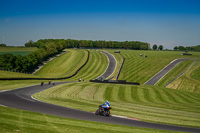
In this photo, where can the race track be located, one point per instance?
(22, 99)
(111, 66)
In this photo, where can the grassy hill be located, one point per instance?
(8, 74)
(148, 103)
(140, 69)
(95, 67)
(189, 81)
(65, 65)
(14, 120)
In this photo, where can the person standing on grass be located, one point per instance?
(42, 83)
(49, 82)
(53, 82)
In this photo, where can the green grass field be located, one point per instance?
(8, 74)
(95, 67)
(16, 50)
(190, 81)
(148, 103)
(13, 84)
(177, 106)
(65, 65)
(19, 121)
(140, 69)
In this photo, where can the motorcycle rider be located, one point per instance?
(106, 104)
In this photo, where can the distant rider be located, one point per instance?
(106, 105)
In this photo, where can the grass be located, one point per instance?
(95, 67)
(190, 81)
(148, 103)
(14, 120)
(16, 50)
(179, 69)
(140, 69)
(13, 84)
(65, 65)
(8, 74)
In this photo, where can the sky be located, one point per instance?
(163, 22)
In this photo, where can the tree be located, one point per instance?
(155, 47)
(175, 48)
(30, 43)
(160, 47)
(2, 45)
(181, 48)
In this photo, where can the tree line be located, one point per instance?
(182, 48)
(29, 62)
(70, 43)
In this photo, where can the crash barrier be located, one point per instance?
(115, 82)
(117, 52)
(120, 68)
(51, 78)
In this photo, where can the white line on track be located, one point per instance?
(3, 105)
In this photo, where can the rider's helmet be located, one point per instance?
(106, 101)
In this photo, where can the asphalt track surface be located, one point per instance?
(111, 66)
(164, 71)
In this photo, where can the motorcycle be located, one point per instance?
(103, 111)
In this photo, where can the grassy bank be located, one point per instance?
(13, 120)
(95, 67)
(13, 84)
(139, 69)
(8, 74)
(148, 103)
(65, 65)
(189, 81)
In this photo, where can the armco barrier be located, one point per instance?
(51, 78)
(120, 68)
(115, 82)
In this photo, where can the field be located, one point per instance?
(13, 84)
(95, 67)
(176, 106)
(14, 121)
(16, 50)
(64, 65)
(147, 103)
(140, 69)
(190, 81)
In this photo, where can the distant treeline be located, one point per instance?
(30, 61)
(49, 47)
(182, 48)
(2, 45)
(69, 43)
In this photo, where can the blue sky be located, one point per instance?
(162, 22)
